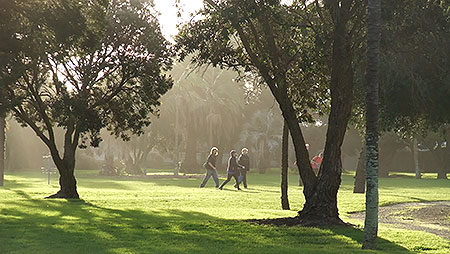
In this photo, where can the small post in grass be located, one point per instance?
(48, 167)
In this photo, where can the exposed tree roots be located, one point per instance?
(64, 195)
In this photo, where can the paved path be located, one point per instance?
(432, 217)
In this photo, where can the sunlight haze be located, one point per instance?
(169, 19)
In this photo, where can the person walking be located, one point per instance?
(244, 160)
(315, 163)
(210, 166)
(232, 170)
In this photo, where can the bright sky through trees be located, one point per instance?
(169, 19)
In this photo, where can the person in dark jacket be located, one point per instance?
(232, 170)
(244, 160)
(210, 166)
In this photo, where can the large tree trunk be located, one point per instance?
(65, 166)
(360, 177)
(2, 148)
(373, 47)
(284, 167)
(321, 201)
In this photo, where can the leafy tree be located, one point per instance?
(84, 66)
(285, 45)
(437, 151)
(8, 26)
(373, 48)
(414, 88)
(412, 66)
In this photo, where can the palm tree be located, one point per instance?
(262, 135)
(373, 46)
(205, 108)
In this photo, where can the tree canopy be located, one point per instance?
(83, 66)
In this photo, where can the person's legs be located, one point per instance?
(205, 180)
(239, 176)
(236, 178)
(215, 178)
(226, 181)
(244, 178)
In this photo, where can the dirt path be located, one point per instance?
(432, 217)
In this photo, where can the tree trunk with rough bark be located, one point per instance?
(66, 167)
(321, 201)
(66, 164)
(360, 177)
(284, 168)
(2, 149)
(373, 48)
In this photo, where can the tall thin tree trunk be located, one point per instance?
(2, 148)
(360, 177)
(373, 47)
(415, 154)
(284, 167)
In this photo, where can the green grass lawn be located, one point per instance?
(133, 215)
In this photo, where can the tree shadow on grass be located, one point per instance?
(111, 181)
(13, 184)
(174, 181)
(358, 235)
(114, 184)
(77, 226)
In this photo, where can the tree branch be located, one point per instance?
(40, 104)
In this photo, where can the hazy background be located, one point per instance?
(208, 108)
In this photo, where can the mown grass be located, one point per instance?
(145, 215)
